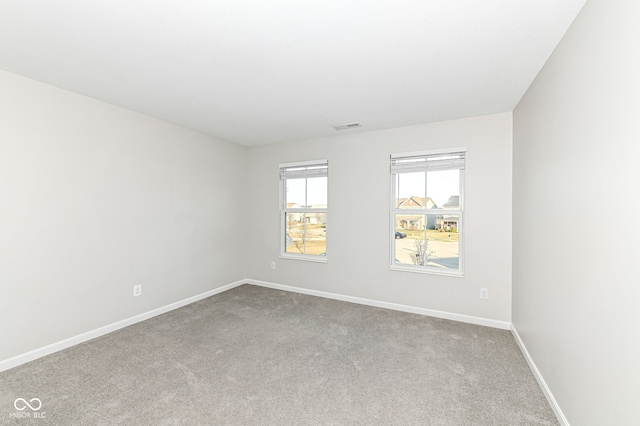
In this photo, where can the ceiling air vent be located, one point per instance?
(347, 126)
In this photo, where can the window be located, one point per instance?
(427, 207)
(303, 210)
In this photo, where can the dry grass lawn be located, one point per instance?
(316, 241)
(432, 235)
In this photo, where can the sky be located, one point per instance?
(316, 191)
(440, 185)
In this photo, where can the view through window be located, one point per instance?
(427, 211)
(304, 209)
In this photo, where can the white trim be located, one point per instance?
(430, 152)
(305, 163)
(543, 385)
(431, 270)
(306, 257)
(395, 210)
(72, 341)
(284, 210)
(310, 210)
(504, 325)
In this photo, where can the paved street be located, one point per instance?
(444, 253)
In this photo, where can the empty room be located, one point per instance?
(319, 213)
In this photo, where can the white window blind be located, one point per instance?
(317, 168)
(427, 162)
(303, 210)
(427, 211)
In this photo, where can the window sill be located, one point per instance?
(419, 270)
(306, 258)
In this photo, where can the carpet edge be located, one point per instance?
(541, 382)
(504, 325)
(32, 355)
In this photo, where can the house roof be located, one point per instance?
(448, 219)
(419, 201)
(453, 201)
(408, 217)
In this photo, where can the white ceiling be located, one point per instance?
(266, 71)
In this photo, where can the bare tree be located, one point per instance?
(421, 255)
(291, 220)
(294, 231)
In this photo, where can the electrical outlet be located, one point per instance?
(484, 293)
(273, 265)
(137, 290)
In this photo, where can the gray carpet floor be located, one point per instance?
(257, 356)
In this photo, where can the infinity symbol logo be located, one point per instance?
(26, 404)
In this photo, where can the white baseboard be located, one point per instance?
(543, 385)
(72, 341)
(387, 305)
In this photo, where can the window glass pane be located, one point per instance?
(295, 193)
(303, 209)
(306, 233)
(445, 242)
(443, 187)
(410, 190)
(409, 233)
(316, 233)
(294, 237)
(317, 192)
(418, 243)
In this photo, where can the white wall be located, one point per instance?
(576, 285)
(358, 218)
(95, 199)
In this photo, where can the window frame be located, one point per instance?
(394, 210)
(301, 210)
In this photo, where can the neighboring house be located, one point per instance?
(409, 222)
(416, 221)
(293, 217)
(416, 203)
(452, 203)
(449, 223)
(310, 218)
(317, 218)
